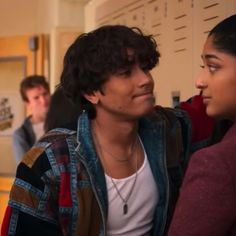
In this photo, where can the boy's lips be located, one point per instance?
(150, 94)
(144, 96)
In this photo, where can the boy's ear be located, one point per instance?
(93, 98)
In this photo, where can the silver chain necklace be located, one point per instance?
(124, 200)
(117, 158)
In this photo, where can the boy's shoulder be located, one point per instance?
(55, 146)
(57, 135)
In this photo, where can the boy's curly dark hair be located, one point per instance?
(94, 56)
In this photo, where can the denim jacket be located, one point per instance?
(60, 187)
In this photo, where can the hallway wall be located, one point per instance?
(19, 17)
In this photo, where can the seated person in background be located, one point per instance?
(35, 93)
(61, 111)
(207, 201)
(118, 172)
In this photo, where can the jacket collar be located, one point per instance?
(153, 138)
(88, 155)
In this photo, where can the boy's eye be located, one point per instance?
(145, 67)
(125, 73)
(146, 70)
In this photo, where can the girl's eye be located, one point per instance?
(212, 68)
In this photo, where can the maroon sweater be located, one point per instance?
(207, 202)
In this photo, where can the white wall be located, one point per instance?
(20, 17)
(90, 14)
(17, 17)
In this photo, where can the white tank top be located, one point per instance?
(141, 204)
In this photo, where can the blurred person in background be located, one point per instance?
(35, 93)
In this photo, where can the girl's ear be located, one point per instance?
(93, 97)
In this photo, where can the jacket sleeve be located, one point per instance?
(32, 208)
(206, 205)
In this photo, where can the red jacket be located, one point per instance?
(207, 202)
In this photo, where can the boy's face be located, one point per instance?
(126, 95)
(38, 101)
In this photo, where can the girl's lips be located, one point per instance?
(206, 99)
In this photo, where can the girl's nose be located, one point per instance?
(200, 81)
